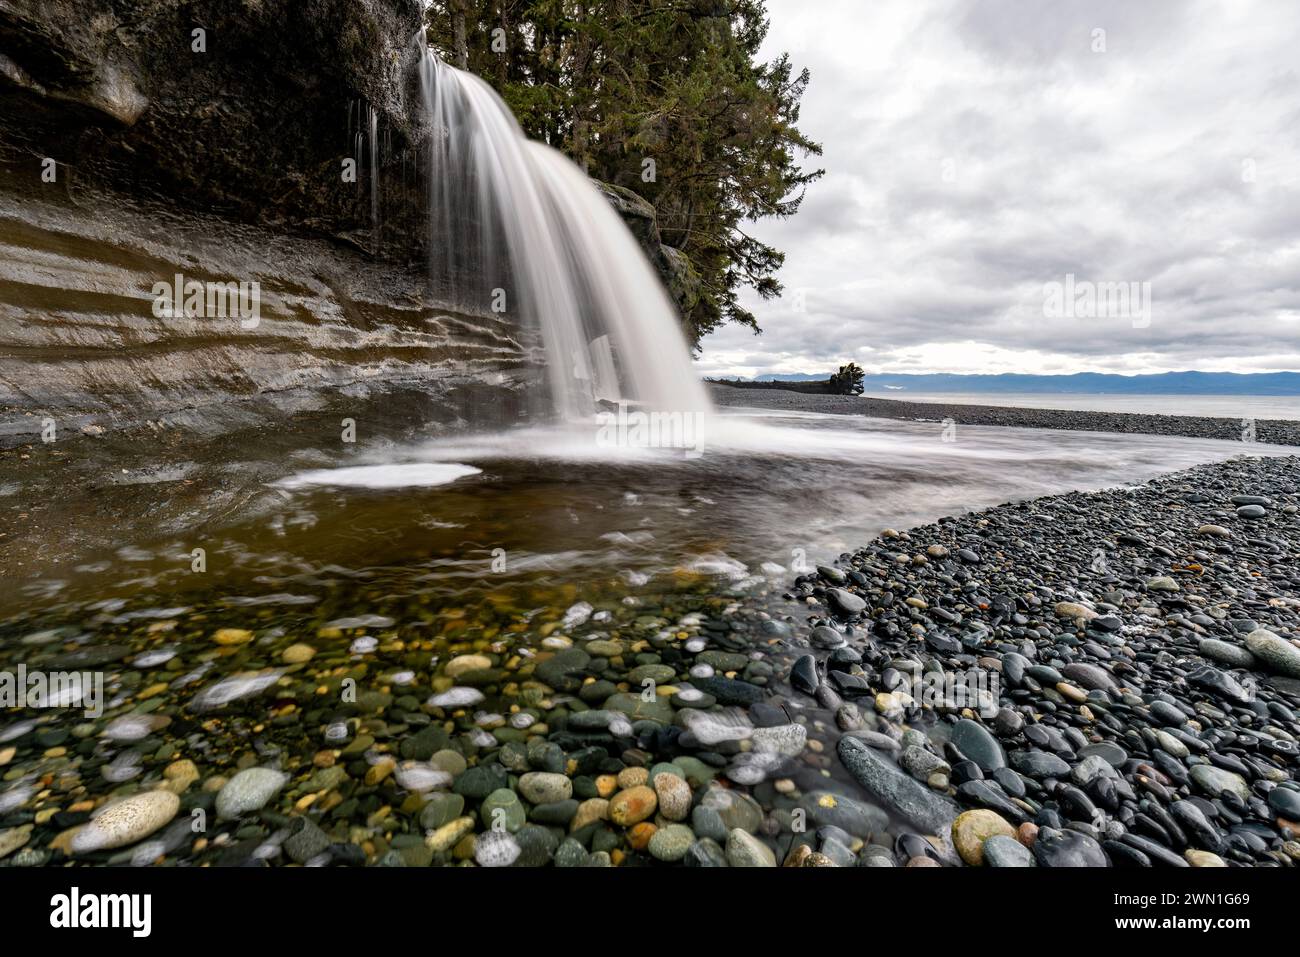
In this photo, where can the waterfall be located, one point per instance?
(373, 116)
(516, 228)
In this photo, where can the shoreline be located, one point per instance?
(1269, 431)
(780, 731)
(1145, 644)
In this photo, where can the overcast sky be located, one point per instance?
(978, 150)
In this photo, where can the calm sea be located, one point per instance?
(1227, 406)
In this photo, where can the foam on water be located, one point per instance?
(382, 476)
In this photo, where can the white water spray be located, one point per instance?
(514, 226)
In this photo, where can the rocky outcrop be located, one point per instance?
(671, 263)
(148, 140)
(247, 109)
(85, 342)
(145, 140)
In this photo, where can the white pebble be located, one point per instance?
(496, 849)
(418, 777)
(456, 698)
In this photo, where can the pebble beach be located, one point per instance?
(1131, 656)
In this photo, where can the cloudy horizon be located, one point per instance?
(977, 151)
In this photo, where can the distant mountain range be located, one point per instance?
(1090, 383)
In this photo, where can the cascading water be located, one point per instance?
(514, 226)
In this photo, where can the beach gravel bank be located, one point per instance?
(1273, 431)
(1112, 674)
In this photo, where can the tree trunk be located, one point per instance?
(460, 38)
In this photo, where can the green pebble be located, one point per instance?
(441, 809)
(502, 808)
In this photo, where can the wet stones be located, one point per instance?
(496, 848)
(745, 850)
(1092, 677)
(564, 670)
(855, 817)
(1001, 850)
(1285, 802)
(921, 764)
(832, 574)
(1066, 848)
(1276, 653)
(540, 787)
(126, 822)
(674, 796)
(730, 691)
(11, 839)
(844, 604)
(1219, 683)
(423, 745)
(671, 843)
(1214, 781)
(440, 809)
(457, 697)
(305, 840)
(478, 782)
(502, 809)
(1225, 653)
(1070, 609)
(237, 687)
(1036, 763)
(249, 790)
(637, 708)
(803, 675)
(972, 828)
(891, 787)
(786, 740)
(974, 740)
(633, 805)
(734, 808)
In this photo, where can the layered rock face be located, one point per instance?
(136, 150)
(85, 342)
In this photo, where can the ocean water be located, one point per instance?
(1219, 406)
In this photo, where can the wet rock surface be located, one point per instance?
(83, 350)
(1110, 675)
(265, 102)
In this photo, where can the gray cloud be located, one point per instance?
(979, 150)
